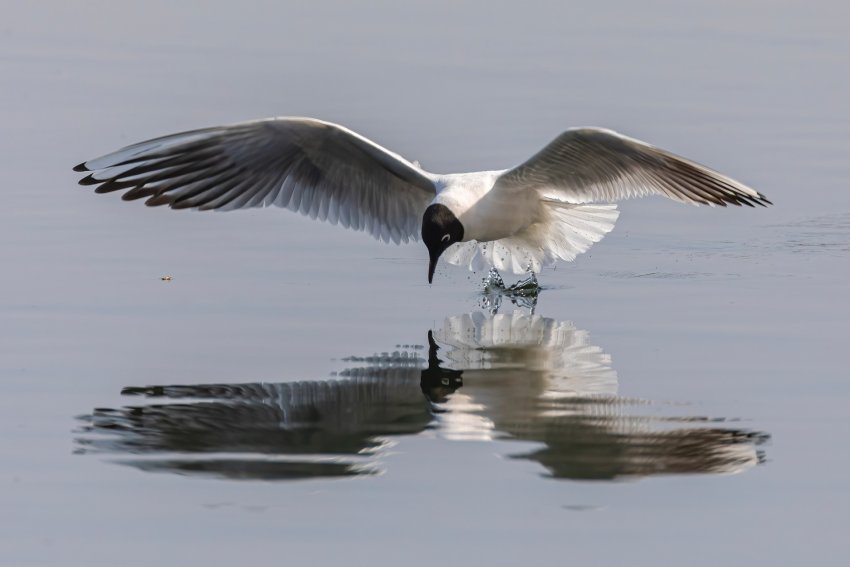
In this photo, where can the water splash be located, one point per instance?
(523, 293)
(493, 281)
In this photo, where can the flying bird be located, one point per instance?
(553, 206)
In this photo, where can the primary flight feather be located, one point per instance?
(553, 206)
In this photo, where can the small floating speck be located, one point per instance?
(166, 278)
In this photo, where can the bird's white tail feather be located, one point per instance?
(568, 231)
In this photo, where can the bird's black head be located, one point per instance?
(440, 229)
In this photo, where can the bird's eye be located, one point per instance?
(446, 237)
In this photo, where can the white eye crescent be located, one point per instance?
(445, 237)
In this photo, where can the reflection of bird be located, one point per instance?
(268, 430)
(553, 206)
(519, 376)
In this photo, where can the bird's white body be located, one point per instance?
(485, 214)
(516, 231)
(553, 206)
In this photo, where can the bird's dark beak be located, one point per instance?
(432, 265)
(434, 254)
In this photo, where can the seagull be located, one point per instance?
(554, 206)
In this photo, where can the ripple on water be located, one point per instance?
(826, 234)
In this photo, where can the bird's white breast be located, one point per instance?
(486, 214)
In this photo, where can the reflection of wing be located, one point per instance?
(599, 440)
(555, 350)
(261, 430)
(535, 379)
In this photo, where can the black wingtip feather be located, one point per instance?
(138, 193)
(114, 185)
(178, 205)
(158, 200)
(81, 167)
(89, 180)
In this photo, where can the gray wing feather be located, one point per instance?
(585, 165)
(316, 168)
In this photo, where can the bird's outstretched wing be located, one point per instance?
(313, 167)
(586, 165)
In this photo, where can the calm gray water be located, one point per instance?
(678, 395)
